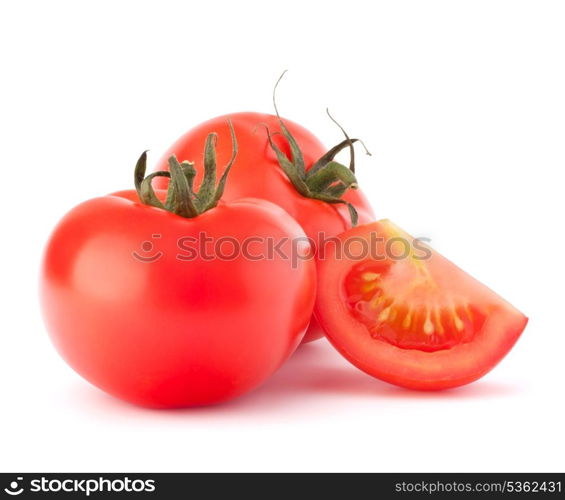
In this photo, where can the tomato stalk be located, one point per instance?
(326, 180)
(182, 199)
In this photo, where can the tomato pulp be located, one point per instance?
(405, 314)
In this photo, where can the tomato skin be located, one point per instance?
(172, 333)
(256, 173)
(414, 368)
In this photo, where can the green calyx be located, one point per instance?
(326, 180)
(182, 199)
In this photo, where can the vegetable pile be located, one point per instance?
(248, 239)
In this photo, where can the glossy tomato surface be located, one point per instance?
(405, 314)
(139, 310)
(256, 173)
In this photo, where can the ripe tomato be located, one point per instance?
(403, 313)
(258, 173)
(137, 308)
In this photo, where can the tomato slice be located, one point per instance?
(403, 313)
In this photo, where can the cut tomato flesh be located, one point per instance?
(410, 317)
(402, 304)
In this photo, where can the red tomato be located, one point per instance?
(138, 309)
(257, 173)
(407, 315)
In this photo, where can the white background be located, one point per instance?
(463, 106)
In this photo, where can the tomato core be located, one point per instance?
(399, 302)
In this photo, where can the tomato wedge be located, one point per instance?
(403, 313)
